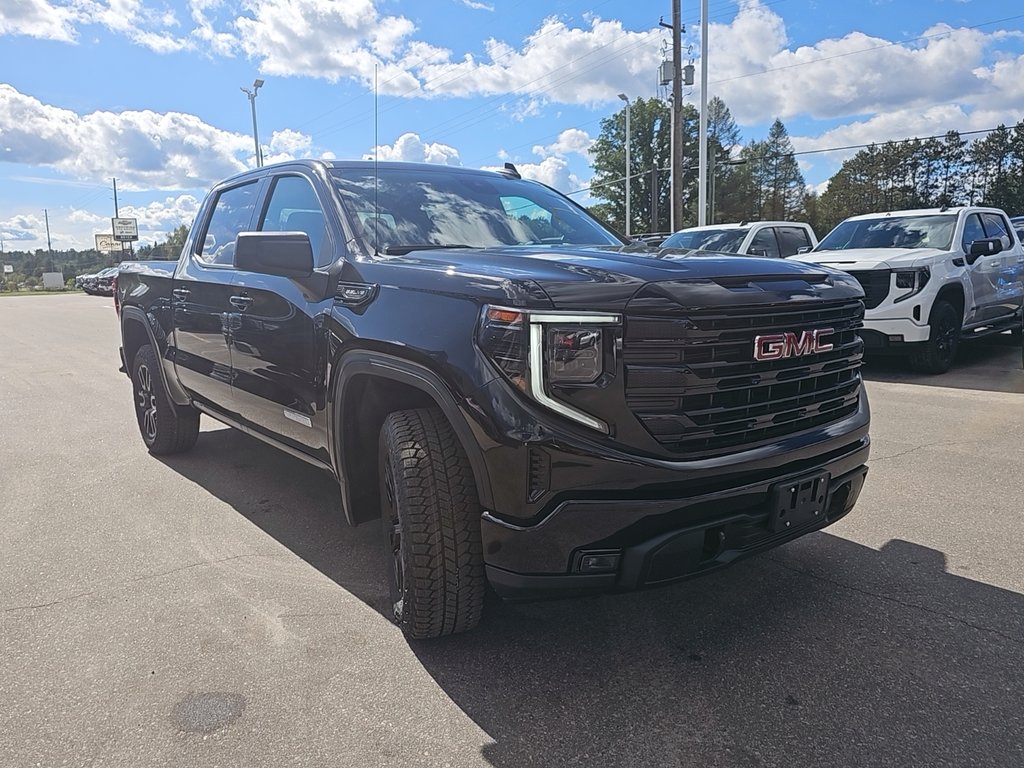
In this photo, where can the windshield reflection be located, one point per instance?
(892, 232)
(448, 207)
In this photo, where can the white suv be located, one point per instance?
(774, 239)
(930, 277)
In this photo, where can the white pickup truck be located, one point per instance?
(931, 278)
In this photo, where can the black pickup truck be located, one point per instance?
(522, 397)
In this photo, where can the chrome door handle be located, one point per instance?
(181, 294)
(241, 303)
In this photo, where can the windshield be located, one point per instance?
(724, 240)
(442, 207)
(892, 232)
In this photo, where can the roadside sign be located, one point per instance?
(8, 269)
(107, 244)
(125, 230)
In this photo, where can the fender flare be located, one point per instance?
(135, 315)
(414, 375)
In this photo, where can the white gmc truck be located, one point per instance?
(931, 278)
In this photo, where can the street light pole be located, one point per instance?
(257, 84)
(628, 105)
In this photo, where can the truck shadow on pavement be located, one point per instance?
(991, 364)
(821, 652)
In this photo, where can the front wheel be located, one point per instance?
(431, 519)
(938, 353)
(166, 428)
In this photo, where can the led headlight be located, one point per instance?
(911, 280)
(537, 350)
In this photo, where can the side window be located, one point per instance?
(995, 226)
(972, 231)
(293, 207)
(791, 240)
(232, 214)
(765, 240)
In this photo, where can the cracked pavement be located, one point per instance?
(222, 584)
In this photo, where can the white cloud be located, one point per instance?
(557, 63)
(161, 216)
(324, 38)
(143, 149)
(410, 148)
(752, 68)
(55, 20)
(22, 228)
(38, 18)
(477, 6)
(553, 171)
(570, 141)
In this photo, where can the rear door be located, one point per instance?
(202, 297)
(278, 342)
(764, 242)
(792, 239)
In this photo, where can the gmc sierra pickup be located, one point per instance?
(932, 278)
(520, 396)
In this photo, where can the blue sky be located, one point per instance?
(148, 91)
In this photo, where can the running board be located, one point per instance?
(213, 413)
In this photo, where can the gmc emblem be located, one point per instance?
(777, 346)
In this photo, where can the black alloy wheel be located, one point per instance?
(165, 427)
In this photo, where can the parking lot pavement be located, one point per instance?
(211, 609)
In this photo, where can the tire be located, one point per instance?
(938, 353)
(166, 428)
(431, 523)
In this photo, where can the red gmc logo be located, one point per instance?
(777, 346)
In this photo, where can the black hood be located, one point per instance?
(606, 278)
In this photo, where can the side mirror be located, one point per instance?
(762, 252)
(287, 254)
(804, 249)
(988, 246)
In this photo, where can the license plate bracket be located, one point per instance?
(799, 502)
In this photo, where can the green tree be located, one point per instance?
(650, 147)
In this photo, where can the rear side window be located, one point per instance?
(765, 241)
(996, 226)
(294, 207)
(232, 213)
(791, 240)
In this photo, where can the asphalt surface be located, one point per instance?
(211, 609)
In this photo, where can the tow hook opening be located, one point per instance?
(714, 542)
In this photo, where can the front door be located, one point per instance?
(278, 341)
(983, 274)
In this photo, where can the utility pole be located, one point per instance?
(629, 171)
(677, 117)
(116, 213)
(654, 196)
(49, 247)
(702, 161)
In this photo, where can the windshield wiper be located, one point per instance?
(401, 250)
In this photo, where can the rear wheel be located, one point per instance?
(938, 353)
(431, 519)
(166, 428)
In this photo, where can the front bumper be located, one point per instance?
(893, 330)
(650, 542)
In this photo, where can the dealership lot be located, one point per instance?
(211, 608)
